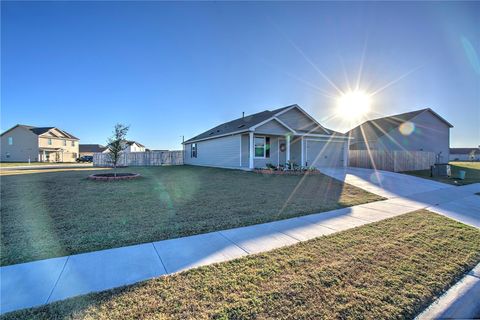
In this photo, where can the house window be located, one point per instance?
(262, 147)
(193, 151)
(73, 143)
(7, 155)
(10, 141)
(64, 143)
(49, 142)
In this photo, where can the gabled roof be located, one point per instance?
(91, 148)
(130, 142)
(464, 150)
(373, 129)
(238, 125)
(41, 130)
(246, 123)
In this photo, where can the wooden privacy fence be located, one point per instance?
(148, 158)
(391, 160)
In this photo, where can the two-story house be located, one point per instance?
(24, 143)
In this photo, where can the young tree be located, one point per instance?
(116, 144)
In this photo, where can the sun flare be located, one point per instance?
(354, 105)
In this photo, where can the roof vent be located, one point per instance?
(241, 126)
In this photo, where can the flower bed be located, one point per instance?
(112, 177)
(286, 172)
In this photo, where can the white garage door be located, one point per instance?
(324, 153)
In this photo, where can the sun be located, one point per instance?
(353, 105)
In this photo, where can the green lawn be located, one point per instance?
(46, 215)
(472, 173)
(392, 269)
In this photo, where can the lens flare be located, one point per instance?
(407, 128)
(353, 105)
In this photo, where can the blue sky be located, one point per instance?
(173, 69)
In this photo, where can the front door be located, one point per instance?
(282, 151)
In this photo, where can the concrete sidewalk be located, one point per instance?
(40, 282)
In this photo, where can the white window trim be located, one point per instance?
(264, 147)
(191, 150)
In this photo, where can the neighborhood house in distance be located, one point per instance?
(421, 130)
(90, 149)
(134, 146)
(23, 143)
(268, 137)
(465, 154)
(130, 146)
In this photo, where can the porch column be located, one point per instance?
(303, 152)
(252, 150)
(44, 156)
(288, 148)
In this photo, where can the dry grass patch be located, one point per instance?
(387, 270)
(47, 215)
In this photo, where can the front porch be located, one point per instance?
(55, 155)
(304, 150)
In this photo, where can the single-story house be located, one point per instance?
(24, 143)
(268, 137)
(90, 149)
(134, 146)
(420, 130)
(465, 154)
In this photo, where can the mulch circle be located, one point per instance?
(111, 176)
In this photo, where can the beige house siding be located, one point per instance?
(67, 152)
(24, 145)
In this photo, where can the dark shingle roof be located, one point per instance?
(464, 150)
(373, 129)
(41, 130)
(240, 124)
(130, 142)
(91, 148)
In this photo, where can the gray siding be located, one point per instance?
(245, 150)
(219, 152)
(430, 134)
(24, 147)
(272, 127)
(296, 151)
(296, 120)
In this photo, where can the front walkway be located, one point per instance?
(40, 282)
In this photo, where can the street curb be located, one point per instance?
(459, 302)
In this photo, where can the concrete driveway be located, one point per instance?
(458, 203)
(384, 183)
